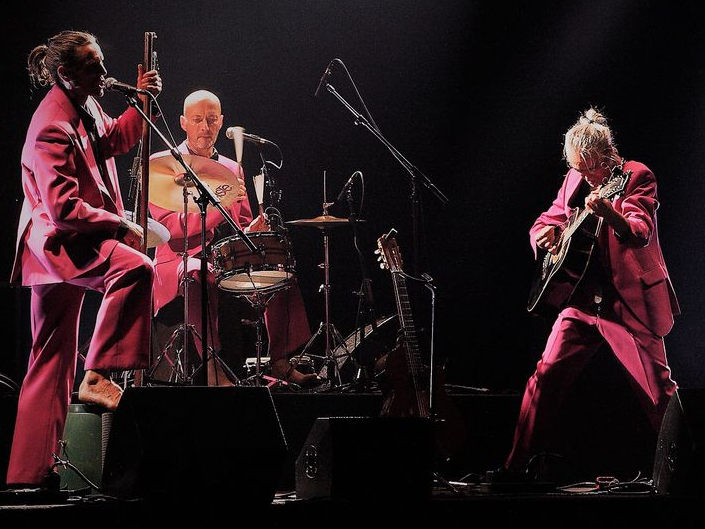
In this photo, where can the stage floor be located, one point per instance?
(489, 420)
(472, 508)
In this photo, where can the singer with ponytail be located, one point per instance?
(72, 235)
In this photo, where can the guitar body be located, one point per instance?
(559, 274)
(401, 399)
(400, 396)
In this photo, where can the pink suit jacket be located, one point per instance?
(637, 266)
(68, 210)
(167, 259)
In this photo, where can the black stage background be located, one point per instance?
(477, 94)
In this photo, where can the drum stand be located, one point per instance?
(259, 302)
(333, 338)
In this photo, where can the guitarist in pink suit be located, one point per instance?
(624, 299)
(72, 235)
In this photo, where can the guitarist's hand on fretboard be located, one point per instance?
(547, 239)
(602, 207)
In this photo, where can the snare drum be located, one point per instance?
(239, 270)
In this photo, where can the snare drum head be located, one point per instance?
(262, 280)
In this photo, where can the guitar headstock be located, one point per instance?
(616, 183)
(389, 253)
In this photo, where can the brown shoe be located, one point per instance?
(282, 369)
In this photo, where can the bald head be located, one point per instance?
(198, 97)
(202, 121)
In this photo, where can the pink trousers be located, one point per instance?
(575, 337)
(120, 341)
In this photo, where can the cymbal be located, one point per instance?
(322, 221)
(166, 182)
(157, 233)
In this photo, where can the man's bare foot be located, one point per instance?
(98, 389)
(282, 369)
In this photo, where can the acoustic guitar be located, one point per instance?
(405, 380)
(559, 273)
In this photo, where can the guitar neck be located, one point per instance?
(406, 322)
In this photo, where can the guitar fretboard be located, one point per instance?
(413, 357)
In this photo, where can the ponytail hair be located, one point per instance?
(61, 49)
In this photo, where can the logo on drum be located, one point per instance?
(222, 190)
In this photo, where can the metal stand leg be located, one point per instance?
(333, 338)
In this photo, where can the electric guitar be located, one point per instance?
(559, 273)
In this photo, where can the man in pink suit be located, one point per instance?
(72, 236)
(624, 300)
(285, 316)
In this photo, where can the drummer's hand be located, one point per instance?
(149, 81)
(260, 223)
(133, 237)
(242, 192)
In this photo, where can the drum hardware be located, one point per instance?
(259, 301)
(251, 364)
(332, 337)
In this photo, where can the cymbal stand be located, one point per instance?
(180, 336)
(333, 338)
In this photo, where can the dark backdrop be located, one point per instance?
(477, 94)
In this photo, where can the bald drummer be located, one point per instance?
(285, 316)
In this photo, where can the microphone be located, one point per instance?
(324, 78)
(113, 84)
(346, 186)
(231, 133)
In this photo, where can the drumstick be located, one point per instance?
(259, 191)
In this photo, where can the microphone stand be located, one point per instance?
(366, 303)
(206, 197)
(415, 173)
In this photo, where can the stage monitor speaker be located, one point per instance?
(195, 443)
(366, 457)
(679, 464)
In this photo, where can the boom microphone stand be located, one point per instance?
(415, 173)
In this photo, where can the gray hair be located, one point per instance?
(590, 135)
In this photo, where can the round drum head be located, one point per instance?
(256, 281)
